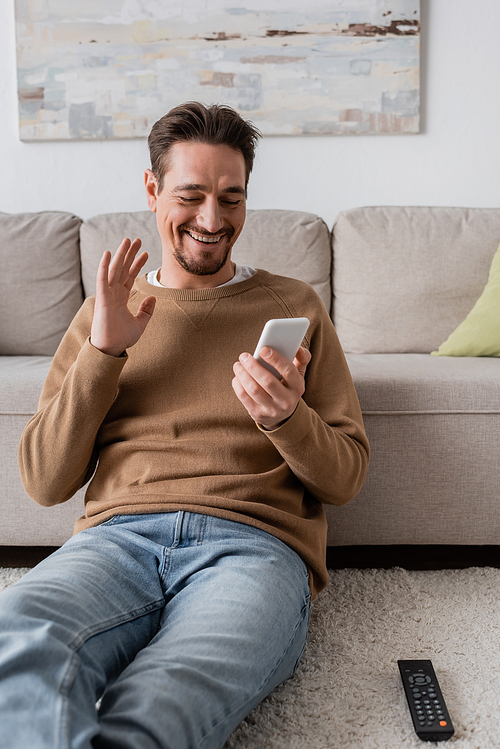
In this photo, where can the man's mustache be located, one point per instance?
(228, 231)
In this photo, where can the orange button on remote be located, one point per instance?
(443, 723)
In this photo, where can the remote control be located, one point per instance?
(429, 713)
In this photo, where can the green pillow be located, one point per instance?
(479, 333)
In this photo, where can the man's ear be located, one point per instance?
(151, 190)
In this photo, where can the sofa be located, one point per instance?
(396, 280)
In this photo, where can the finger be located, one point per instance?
(257, 373)
(247, 382)
(116, 265)
(129, 260)
(256, 379)
(302, 359)
(254, 409)
(284, 366)
(146, 309)
(102, 274)
(241, 393)
(136, 268)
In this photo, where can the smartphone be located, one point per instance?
(284, 336)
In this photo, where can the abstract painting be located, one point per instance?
(98, 69)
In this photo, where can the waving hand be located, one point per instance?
(114, 327)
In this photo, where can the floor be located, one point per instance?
(339, 557)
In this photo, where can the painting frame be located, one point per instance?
(97, 71)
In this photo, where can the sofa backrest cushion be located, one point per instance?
(40, 286)
(290, 243)
(106, 232)
(404, 278)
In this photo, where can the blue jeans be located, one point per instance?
(181, 623)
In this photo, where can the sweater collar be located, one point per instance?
(193, 295)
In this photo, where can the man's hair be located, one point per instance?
(217, 124)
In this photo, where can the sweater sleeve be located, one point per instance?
(324, 441)
(57, 448)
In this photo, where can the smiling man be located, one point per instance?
(183, 598)
(200, 221)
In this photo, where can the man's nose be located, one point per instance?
(209, 216)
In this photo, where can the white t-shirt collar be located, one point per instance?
(242, 272)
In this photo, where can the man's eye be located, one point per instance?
(232, 202)
(188, 200)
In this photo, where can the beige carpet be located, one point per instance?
(347, 692)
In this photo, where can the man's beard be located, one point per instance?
(207, 264)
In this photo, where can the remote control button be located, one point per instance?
(432, 694)
(443, 723)
(416, 695)
(422, 679)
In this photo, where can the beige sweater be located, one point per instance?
(167, 432)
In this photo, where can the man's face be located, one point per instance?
(200, 213)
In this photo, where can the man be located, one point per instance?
(183, 598)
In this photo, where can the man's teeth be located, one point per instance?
(202, 238)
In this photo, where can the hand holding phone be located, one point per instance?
(284, 336)
(270, 401)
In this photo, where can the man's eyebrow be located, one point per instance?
(236, 189)
(189, 186)
(193, 187)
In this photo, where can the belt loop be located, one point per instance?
(178, 529)
(201, 535)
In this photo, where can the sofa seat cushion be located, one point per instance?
(419, 383)
(22, 379)
(434, 431)
(24, 522)
(40, 258)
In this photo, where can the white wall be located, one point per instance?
(454, 161)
